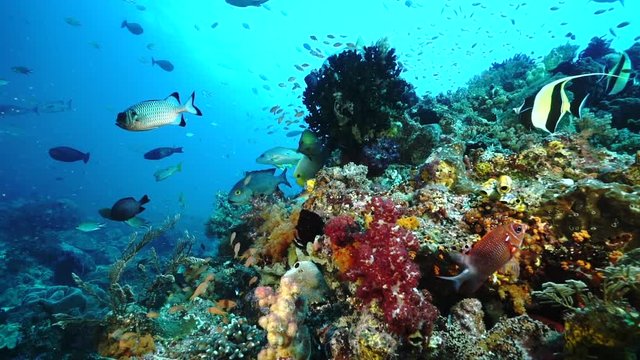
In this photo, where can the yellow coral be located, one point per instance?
(408, 222)
(445, 174)
(580, 236)
(519, 295)
(483, 168)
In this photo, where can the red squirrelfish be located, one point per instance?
(488, 255)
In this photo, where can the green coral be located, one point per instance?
(9, 335)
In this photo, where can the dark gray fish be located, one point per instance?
(622, 24)
(124, 209)
(133, 28)
(598, 12)
(165, 65)
(6, 110)
(68, 154)
(245, 3)
(162, 152)
(256, 183)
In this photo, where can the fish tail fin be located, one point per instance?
(179, 167)
(283, 178)
(124, 23)
(182, 122)
(191, 107)
(577, 106)
(86, 158)
(459, 279)
(178, 150)
(145, 199)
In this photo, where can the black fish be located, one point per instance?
(309, 226)
(161, 153)
(124, 209)
(165, 65)
(133, 28)
(67, 154)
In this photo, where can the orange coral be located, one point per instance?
(580, 236)
(126, 345)
(408, 222)
(277, 233)
(518, 295)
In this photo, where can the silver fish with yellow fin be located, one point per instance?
(151, 114)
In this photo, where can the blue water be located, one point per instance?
(224, 65)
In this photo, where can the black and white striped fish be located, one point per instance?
(151, 114)
(619, 75)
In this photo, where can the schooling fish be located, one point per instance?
(6, 110)
(165, 65)
(619, 75)
(547, 107)
(162, 152)
(152, 114)
(245, 3)
(54, 107)
(255, 183)
(492, 252)
(124, 209)
(280, 157)
(67, 154)
(133, 28)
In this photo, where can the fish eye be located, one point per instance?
(296, 265)
(518, 229)
(238, 192)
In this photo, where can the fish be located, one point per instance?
(619, 75)
(256, 183)
(54, 107)
(246, 26)
(214, 25)
(546, 108)
(598, 12)
(133, 28)
(4, 82)
(280, 157)
(309, 144)
(167, 172)
(151, 114)
(293, 133)
(307, 168)
(309, 225)
(94, 44)
(488, 255)
(68, 154)
(245, 3)
(162, 152)
(141, 7)
(138, 222)
(124, 209)
(609, 1)
(72, 21)
(6, 110)
(151, 46)
(622, 24)
(89, 226)
(21, 70)
(165, 65)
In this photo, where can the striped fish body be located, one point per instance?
(151, 114)
(619, 75)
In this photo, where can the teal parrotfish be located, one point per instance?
(488, 255)
(151, 114)
(256, 183)
(280, 157)
(167, 172)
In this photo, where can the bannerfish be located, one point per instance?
(619, 75)
(162, 152)
(167, 172)
(546, 108)
(165, 65)
(488, 255)
(151, 114)
(279, 157)
(245, 3)
(307, 168)
(256, 183)
(124, 209)
(68, 154)
(133, 28)
(89, 226)
(54, 107)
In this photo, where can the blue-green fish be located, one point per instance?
(167, 172)
(280, 157)
(151, 114)
(256, 183)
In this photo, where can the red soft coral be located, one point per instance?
(383, 267)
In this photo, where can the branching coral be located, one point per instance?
(353, 99)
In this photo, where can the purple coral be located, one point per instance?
(379, 155)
